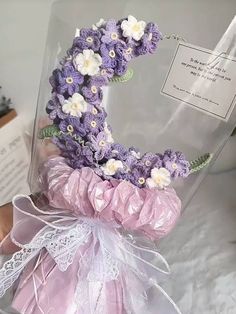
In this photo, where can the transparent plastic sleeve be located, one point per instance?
(152, 121)
(86, 240)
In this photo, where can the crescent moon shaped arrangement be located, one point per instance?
(100, 55)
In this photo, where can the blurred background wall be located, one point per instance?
(23, 29)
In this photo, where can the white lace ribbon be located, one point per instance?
(62, 234)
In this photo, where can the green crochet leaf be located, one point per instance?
(124, 78)
(200, 163)
(49, 131)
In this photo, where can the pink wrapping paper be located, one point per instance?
(150, 211)
(106, 208)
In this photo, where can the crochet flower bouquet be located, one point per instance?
(78, 245)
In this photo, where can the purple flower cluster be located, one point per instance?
(92, 91)
(93, 123)
(137, 170)
(114, 57)
(85, 139)
(114, 49)
(111, 32)
(77, 155)
(88, 39)
(72, 126)
(176, 164)
(150, 40)
(66, 80)
(54, 108)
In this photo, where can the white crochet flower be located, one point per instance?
(77, 32)
(99, 24)
(136, 154)
(108, 133)
(111, 167)
(75, 105)
(160, 177)
(88, 62)
(133, 28)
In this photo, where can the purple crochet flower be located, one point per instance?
(72, 126)
(88, 39)
(92, 92)
(130, 161)
(149, 40)
(87, 153)
(108, 73)
(118, 151)
(93, 122)
(85, 158)
(67, 61)
(113, 56)
(60, 141)
(122, 174)
(72, 52)
(69, 147)
(66, 80)
(99, 144)
(138, 175)
(112, 33)
(176, 164)
(151, 160)
(54, 107)
(129, 52)
(98, 110)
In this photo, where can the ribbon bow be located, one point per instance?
(109, 255)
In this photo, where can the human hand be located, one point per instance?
(6, 218)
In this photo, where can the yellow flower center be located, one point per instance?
(141, 180)
(112, 168)
(94, 110)
(150, 37)
(102, 143)
(114, 36)
(112, 53)
(75, 106)
(136, 27)
(70, 128)
(69, 80)
(174, 166)
(87, 63)
(129, 51)
(127, 169)
(94, 89)
(157, 180)
(103, 72)
(89, 39)
(93, 124)
(148, 163)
